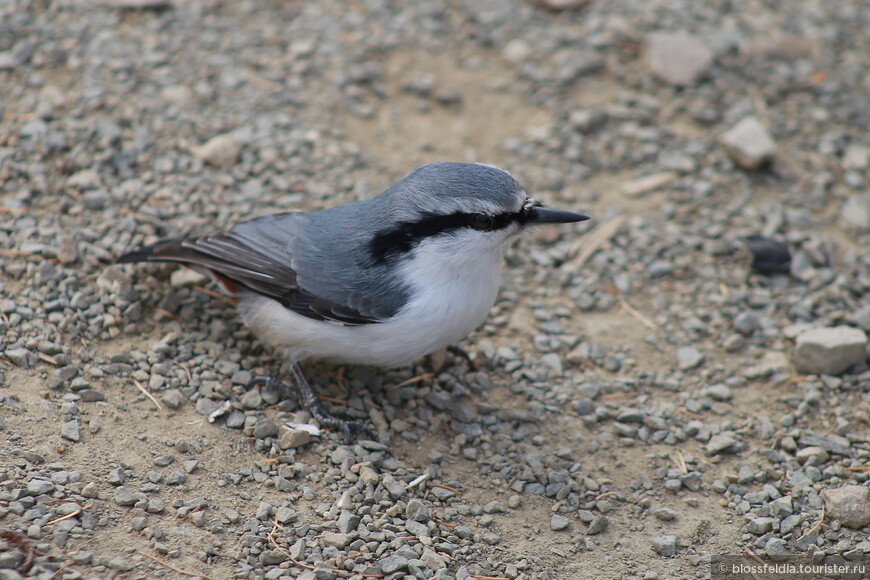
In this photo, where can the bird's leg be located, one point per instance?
(305, 396)
(457, 350)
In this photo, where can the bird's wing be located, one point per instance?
(256, 255)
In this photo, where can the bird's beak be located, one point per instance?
(546, 215)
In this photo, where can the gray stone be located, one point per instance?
(337, 539)
(665, 514)
(759, 526)
(348, 521)
(393, 563)
(776, 549)
(749, 143)
(665, 545)
(172, 398)
(850, 505)
(678, 58)
(39, 487)
(829, 351)
(69, 430)
(558, 522)
(21, 357)
(597, 525)
(221, 151)
(812, 455)
(292, 438)
(856, 211)
(417, 510)
(265, 428)
(721, 442)
(688, 358)
(124, 496)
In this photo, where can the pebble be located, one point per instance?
(749, 143)
(291, 438)
(597, 525)
(69, 430)
(665, 545)
(222, 151)
(849, 505)
(688, 358)
(665, 514)
(856, 211)
(829, 351)
(124, 496)
(759, 526)
(558, 522)
(678, 58)
(720, 443)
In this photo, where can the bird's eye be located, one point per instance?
(482, 222)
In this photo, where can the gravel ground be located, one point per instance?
(643, 400)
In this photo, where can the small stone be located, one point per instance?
(850, 505)
(856, 211)
(759, 526)
(368, 475)
(688, 358)
(433, 560)
(776, 549)
(394, 487)
(665, 545)
(221, 151)
(292, 438)
(393, 563)
(69, 430)
(597, 525)
(21, 357)
(172, 398)
(749, 143)
(558, 522)
(678, 58)
(665, 514)
(812, 456)
(337, 539)
(124, 496)
(265, 428)
(37, 487)
(176, 478)
(186, 277)
(721, 442)
(719, 392)
(829, 351)
(348, 521)
(417, 510)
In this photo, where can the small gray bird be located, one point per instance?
(379, 282)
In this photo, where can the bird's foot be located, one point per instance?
(457, 350)
(305, 396)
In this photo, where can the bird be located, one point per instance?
(380, 282)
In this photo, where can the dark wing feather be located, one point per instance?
(228, 257)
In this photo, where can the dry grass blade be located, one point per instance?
(588, 245)
(681, 462)
(411, 381)
(174, 569)
(637, 315)
(147, 394)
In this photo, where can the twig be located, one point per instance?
(447, 487)
(174, 569)
(147, 394)
(640, 317)
(605, 494)
(815, 527)
(445, 524)
(70, 515)
(168, 314)
(681, 462)
(411, 381)
(182, 365)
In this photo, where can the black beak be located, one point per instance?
(545, 215)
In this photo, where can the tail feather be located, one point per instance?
(162, 251)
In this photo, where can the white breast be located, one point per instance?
(452, 292)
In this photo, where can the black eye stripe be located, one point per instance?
(390, 243)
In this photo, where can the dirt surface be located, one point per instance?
(330, 102)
